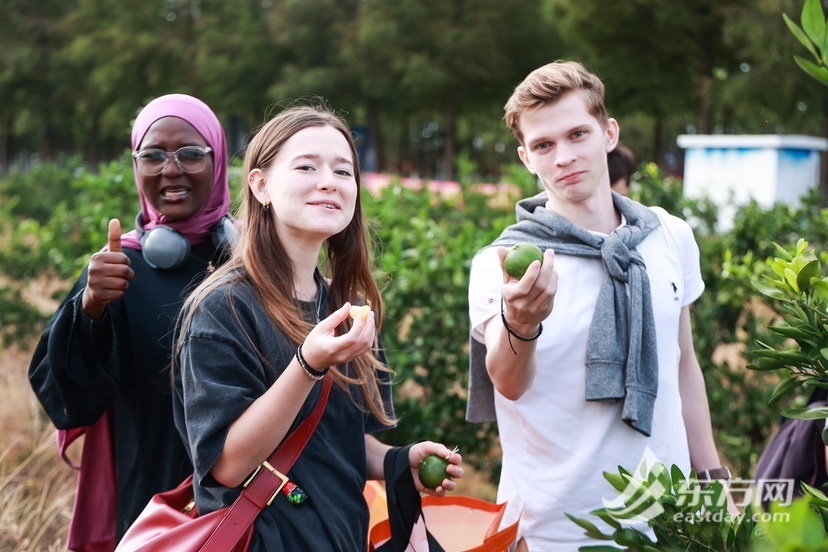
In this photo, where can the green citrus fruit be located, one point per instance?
(519, 257)
(433, 471)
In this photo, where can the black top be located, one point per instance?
(81, 367)
(220, 377)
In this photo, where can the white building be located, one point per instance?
(732, 169)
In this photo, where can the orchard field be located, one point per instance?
(425, 241)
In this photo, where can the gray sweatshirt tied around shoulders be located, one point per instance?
(621, 358)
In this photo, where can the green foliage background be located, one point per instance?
(424, 81)
(55, 217)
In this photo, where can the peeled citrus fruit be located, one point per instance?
(361, 311)
(433, 471)
(519, 257)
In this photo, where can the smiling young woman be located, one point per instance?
(101, 367)
(272, 325)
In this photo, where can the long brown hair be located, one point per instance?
(260, 258)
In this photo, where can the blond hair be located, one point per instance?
(547, 84)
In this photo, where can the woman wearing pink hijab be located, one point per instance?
(101, 367)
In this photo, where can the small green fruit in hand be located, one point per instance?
(519, 257)
(433, 471)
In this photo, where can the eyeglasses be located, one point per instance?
(190, 159)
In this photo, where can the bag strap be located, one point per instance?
(267, 481)
(404, 502)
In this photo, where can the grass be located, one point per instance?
(37, 487)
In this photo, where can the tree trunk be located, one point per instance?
(708, 37)
(706, 114)
(405, 165)
(5, 144)
(50, 145)
(93, 140)
(375, 131)
(658, 141)
(449, 152)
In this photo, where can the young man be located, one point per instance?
(591, 352)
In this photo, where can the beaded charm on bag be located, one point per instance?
(294, 493)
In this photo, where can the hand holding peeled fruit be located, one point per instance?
(519, 257)
(361, 311)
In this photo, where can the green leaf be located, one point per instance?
(765, 366)
(677, 475)
(816, 493)
(662, 476)
(618, 482)
(800, 35)
(791, 279)
(773, 360)
(592, 530)
(825, 47)
(813, 22)
(819, 73)
(785, 388)
(799, 333)
(604, 515)
(813, 413)
(809, 271)
(625, 472)
(802, 530)
(769, 290)
(628, 536)
(792, 357)
(781, 252)
(801, 246)
(820, 287)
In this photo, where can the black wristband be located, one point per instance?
(312, 372)
(511, 332)
(721, 474)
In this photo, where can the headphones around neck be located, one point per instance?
(165, 248)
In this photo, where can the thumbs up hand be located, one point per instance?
(115, 236)
(109, 275)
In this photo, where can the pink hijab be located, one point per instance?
(198, 114)
(94, 519)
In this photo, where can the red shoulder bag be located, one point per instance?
(171, 522)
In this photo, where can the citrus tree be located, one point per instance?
(813, 35)
(798, 289)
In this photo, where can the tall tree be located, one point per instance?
(767, 93)
(237, 59)
(656, 57)
(30, 77)
(437, 61)
(308, 34)
(126, 55)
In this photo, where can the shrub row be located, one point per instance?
(56, 215)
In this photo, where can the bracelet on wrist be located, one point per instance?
(313, 373)
(722, 473)
(706, 477)
(511, 332)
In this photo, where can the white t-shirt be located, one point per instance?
(556, 445)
